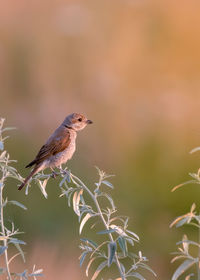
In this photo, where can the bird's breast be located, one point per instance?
(62, 157)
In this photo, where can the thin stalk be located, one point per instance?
(4, 233)
(94, 198)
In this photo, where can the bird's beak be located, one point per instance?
(89, 122)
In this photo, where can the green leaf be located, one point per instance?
(145, 266)
(36, 273)
(183, 267)
(89, 264)
(20, 251)
(130, 240)
(69, 197)
(1, 146)
(183, 184)
(134, 234)
(83, 222)
(63, 180)
(82, 258)
(106, 231)
(76, 200)
(94, 244)
(3, 154)
(8, 128)
(2, 249)
(182, 222)
(122, 244)
(112, 247)
(99, 269)
(16, 241)
(105, 182)
(189, 276)
(18, 204)
(110, 200)
(68, 176)
(136, 275)
(195, 150)
(186, 242)
(42, 186)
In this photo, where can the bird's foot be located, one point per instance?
(54, 174)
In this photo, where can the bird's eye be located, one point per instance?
(80, 119)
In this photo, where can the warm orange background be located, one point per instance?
(133, 67)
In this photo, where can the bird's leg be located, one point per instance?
(60, 168)
(53, 174)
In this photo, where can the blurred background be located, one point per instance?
(132, 66)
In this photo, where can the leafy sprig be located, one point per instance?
(9, 234)
(118, 241)
(190, 258)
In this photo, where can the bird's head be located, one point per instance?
(76, 121)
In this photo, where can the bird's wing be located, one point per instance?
(56, 144)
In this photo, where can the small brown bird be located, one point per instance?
(59, 147)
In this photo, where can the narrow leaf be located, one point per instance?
(105, 182)
(189, 276)
(145, 266)
(42, 186)
(183, 184)
(76, 200)
(182, 222)
(183, 267)
(17, 241)
(1, 146)
(69, 198)
(106, 231)
(82, 258)
(89, 264)
(122, 244)
(110, 200)
(37, 273)
(136, 275)
(91, 242)
(2, 156)
(2, 249)
(112, 247)
(83, 222)
(195, 150)
(18, 204)
(20, 251)
(63, 180)
(193, 207)
(8, 128)
(134, 234)
(99, 269)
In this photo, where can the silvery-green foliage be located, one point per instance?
(9, 233)
(119, 241)
(189, 257)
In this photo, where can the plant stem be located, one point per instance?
(3, 231)
(94, 198)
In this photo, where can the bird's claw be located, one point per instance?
(54, 174)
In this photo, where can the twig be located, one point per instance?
(94, 198)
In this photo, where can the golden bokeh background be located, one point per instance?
(133, 67)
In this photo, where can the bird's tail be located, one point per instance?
(34, 171)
